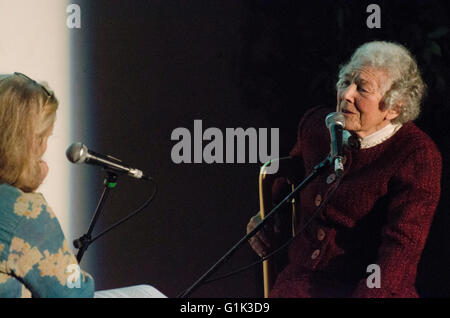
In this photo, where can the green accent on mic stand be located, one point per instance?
(111, 185)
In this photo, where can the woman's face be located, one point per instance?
(359, 99)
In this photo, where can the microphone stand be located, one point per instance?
(82, 243)
(316, 171)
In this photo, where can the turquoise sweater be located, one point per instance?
(35, 258)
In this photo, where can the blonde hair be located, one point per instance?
(406, 88)
(27, 115)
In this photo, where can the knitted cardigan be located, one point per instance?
(35, 258)
(380, 214)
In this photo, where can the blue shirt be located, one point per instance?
(35, 259)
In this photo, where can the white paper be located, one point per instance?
(138, 291)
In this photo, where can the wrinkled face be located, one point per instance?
(359, 97)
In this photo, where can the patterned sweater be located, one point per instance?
(35, 259)
(380, 214)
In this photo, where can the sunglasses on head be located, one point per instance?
(47, 92)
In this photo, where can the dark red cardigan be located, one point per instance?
(380, 214)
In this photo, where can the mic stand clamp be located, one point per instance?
(83, 242)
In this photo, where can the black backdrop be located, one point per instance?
(158, 65)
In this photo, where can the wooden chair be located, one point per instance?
(291, 169)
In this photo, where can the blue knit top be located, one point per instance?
(35, 258)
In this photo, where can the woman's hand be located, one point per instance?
(261, 242)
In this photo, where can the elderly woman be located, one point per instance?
(35, 259)
(378, 218)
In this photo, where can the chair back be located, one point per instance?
(290, 169)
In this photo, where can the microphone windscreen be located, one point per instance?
(336, 118)
(76, 153)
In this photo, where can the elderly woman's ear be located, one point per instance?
(393, 113)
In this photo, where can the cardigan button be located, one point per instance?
(315, 254)
(318, 200)
(320, 234)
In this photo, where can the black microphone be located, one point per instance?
(336, 123)
(79, 153)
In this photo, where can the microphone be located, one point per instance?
(78, 153)
(336, 123)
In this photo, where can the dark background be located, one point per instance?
(154, 66)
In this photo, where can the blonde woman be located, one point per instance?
(35, 258)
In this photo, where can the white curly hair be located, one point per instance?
(405, 90)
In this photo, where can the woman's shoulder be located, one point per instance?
(25, 217)
(8, 192)
(417, 154)
(312, 133)
(312, 125)
(8, 219)
(316, 115)
(416, 141)
(23, 204)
